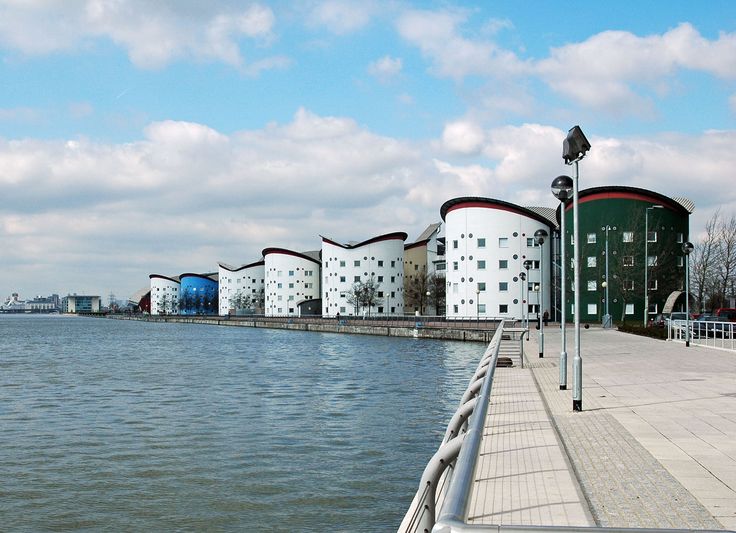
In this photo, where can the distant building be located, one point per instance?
(75, 303)
(198, 294)
(424, 258)
(343, 265)
(39, 304)
(241, 288)
(290, 278)
(164, 295)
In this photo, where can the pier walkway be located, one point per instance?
(655, 445)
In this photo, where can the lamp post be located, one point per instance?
(562, 190)
(574, 148)
(607, 322)
(527, 265)
(539, 237)
(427, 305)
(522, 278)
(646, 261)
(687, 247)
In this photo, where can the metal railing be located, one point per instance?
(457, 444)
(719, 335)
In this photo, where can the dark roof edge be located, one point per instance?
(491, 202)
(284, 251)
(396, 235)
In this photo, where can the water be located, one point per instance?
(135, 426)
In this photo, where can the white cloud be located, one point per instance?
(463, 137)
(341, 16)
(385, 68)
(153, 33)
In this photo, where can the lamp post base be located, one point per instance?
(541, 354)
(577, 405)
(563, 387)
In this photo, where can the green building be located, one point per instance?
(644, 231)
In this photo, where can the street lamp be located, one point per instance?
(477, 305)
(646, 261)
(539, 236)
(527, 265)
(562, 190)
(687, 247)
(427, 306)
(574, 148)
(607, 322)
(522, 278)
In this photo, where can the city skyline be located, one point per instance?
(139, 139)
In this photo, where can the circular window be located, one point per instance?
(516, 279)
(516, 234)
(470, 301)
(516, 300)
(462, 258)
(470, 258)
(470, 235)
(470, 280)
(462, 280)
(462, 301)
(516, 256)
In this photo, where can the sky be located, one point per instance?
(161, 137)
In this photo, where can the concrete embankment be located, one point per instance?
(443, 330)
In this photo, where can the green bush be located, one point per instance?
(638, 329)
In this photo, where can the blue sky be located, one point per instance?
(140, 137)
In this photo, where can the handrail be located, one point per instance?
(456, 444)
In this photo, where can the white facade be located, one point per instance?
(241, 288)
(380, 258)
(487, 242)
(164, 295)
(290, 278)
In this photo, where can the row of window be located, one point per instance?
(503, 242)
(356, 262)
(628, 236)
(503, 264)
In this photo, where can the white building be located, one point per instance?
(291, 278)
(164, 295)
(487, 242)
(380, 258)
(241, 288)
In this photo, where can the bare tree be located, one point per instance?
(363, 295)
(726, 271)
(416, 287)
(703, 262)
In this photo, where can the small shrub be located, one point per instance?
(638, 329)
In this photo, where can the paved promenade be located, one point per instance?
(655, 445)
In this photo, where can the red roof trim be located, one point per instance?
(163, 277)
(195, 275)
(397, 235)
(624, 195)
(416, 244)
(284, 251)
(243, 267)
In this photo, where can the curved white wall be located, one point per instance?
(506, 233)
(289, 280)
(343, 266)
(247, 280)
(164, 296)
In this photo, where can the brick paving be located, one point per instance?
(655, 445)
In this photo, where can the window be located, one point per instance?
(342, 279)
(380, 294)
(628, 284)
(535, 265)
(454, 308)
(291, 285)
(592, 309)
(503, 264)
(482, 308)
(503, 285)
(592, 261)
(356, 278)
(291, 272)
(629, 309)
(680, 238)
(454, 288)
(416, 268)
(503, 242)
(356, 263)
(652, 284)
(628, 260)
(481, 264)
(628, 236)
(591, 238)
(342, 309)
(342, 263)
(393, 264)
(380, 279)
(592, 285)
(380, 263)
(278, 285)
(454, 244)
(530, 242)
(291, 297)
(308, 285)
(481, 286)
(503, 308)
(454, 265)
(309, 272)
(279, 273)
(481, 243)
(652, 260)
(393, 279)
(380, 309)
(680, 261)
(652, 236)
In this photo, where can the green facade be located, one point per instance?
(623, 210)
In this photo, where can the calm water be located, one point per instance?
(133, 426)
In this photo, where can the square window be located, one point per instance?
(380, 279)
(342, 263)
(592, 309)
(342, 309)
(455, 288)
(481, 243)
(454, 308)
(591, 238)
(628, 260)
(503, 264)
(628, 284)
(291, 272)
(592, 285)
(342, 279)
(380, 263)
(356, 263)
(592, 261)
(629, 309)
(680, 261)
(503, 308)
(393, 279)
(652, 284)
(454, 245)
(454, 265)
(503, 286)
(482, 308)
(393, 264)
(481, 265)
(628, 236)
(652, 260)
(652, 236)
(356, 278)
(503, 242)
(680, 238)
(481, 286)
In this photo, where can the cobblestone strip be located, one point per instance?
(623, 483)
